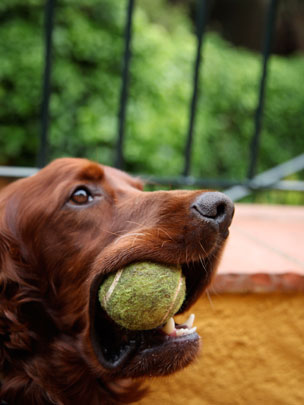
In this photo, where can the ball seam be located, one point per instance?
(174, 299)
(112, 287)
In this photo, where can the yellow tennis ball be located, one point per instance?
(143, 295)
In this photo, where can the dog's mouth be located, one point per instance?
(196, 248)
(159, 351)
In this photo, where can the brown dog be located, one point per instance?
(61, 231)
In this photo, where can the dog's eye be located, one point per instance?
(81, 196)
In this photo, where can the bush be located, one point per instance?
(88, 48)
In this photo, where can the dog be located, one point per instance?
(62, 231)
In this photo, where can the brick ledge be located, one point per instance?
(257, 283)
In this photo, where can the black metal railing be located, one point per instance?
(46, 89)
(270, 179)
(259, 111)
(201, 22)
(119, 162)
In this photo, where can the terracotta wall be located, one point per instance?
(252, 353)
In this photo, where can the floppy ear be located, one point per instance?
(24, 323)
(3, 336)
(20, 295)
(13, 334)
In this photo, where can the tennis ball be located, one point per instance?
(143, 295)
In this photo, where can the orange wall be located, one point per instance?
(252, 353)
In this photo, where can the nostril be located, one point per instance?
(212, 211)
(221, 209)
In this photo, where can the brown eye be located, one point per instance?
(81, 196)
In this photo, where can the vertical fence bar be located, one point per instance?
(119, 161)
(46, 90)
(202, 11)
(254, 147)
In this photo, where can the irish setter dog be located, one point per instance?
(61, 231)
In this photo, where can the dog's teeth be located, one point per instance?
(169, 327)
(182, 332)
(192, 330)
(189, 321)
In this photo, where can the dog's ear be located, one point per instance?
(18, 290)
(7, 316)
(13, 335)
(24, 323)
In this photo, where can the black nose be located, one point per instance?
(214, 207)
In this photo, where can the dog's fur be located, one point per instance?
(53, 255)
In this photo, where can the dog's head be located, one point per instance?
(64, 229)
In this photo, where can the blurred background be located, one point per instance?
(86, 69)
(205, 94)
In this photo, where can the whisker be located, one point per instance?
(186, 255)
(209, 299)
(112, 233)
(165, 241)
(136, 223)
(161, 229)
(134, 240)
(203, 249)
(203, 264)
(129, 234)
(214, 292)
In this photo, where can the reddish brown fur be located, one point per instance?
(50, 254)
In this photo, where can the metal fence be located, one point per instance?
(236, 189)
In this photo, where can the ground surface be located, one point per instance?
(252, 353)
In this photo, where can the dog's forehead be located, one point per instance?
(91, 171)
(75, 169)
(78, 169)
(118, 177)
(100, 173)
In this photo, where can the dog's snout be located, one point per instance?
(215, 207)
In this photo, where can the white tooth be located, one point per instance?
(192, 330)
(169, 327)
(189, 321)
(182, 332)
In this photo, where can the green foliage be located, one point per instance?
(87, 62)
